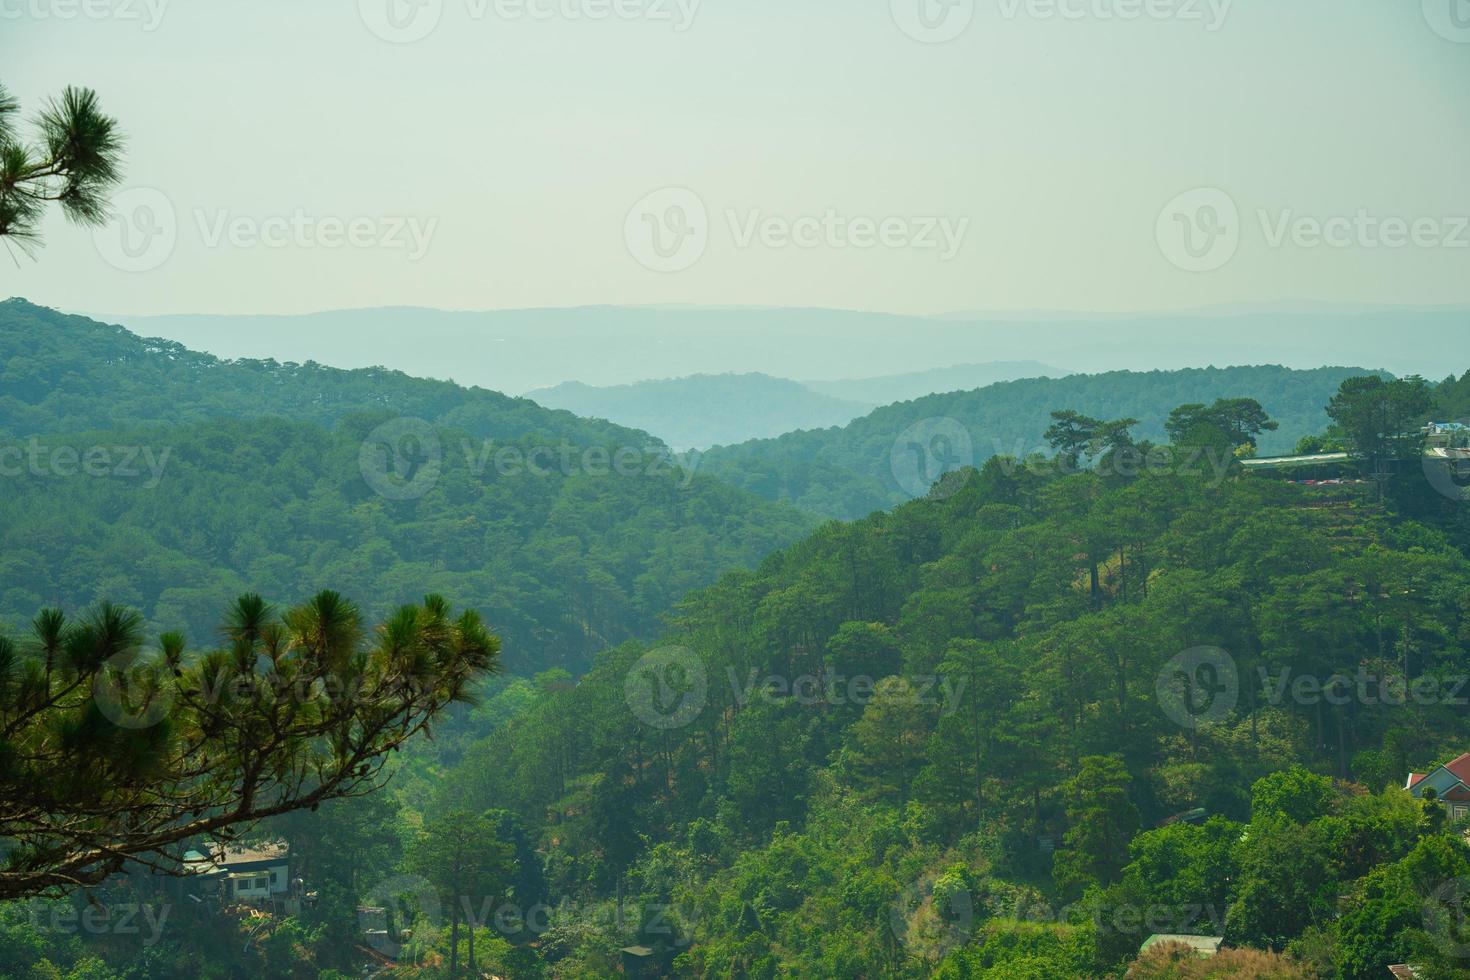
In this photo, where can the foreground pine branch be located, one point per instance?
(109, 757)
(74, 161)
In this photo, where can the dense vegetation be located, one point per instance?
(852, 471)
(1010, 730)
(950, 741)
(562, 561)
(582, 545)
(818, 832)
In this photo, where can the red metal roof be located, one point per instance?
(1460, 768)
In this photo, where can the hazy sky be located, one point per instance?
(480, 154)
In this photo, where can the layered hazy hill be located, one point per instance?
(886, 389)
(706, 410)
(210, 478)
(516, 351)
(866, 465)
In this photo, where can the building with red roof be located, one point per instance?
(1449, 784)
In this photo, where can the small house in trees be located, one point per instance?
(1447, 435)
(259, 875)
(1449, 785)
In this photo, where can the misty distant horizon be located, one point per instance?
(517, 351)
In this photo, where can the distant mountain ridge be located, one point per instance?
(516, 351)
(705, 410)
(886, 389)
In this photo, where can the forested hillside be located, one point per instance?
(62, 373)
(939, 741)
(1011, 730)
(869, 464)
(172, 482)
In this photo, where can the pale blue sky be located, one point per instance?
(515, 148)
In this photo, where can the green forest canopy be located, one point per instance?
(851, 472)
(943, 740)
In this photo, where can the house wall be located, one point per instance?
(280, 882)
(1441, 780)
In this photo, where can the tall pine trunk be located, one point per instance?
(453, 941)
(473, 920)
